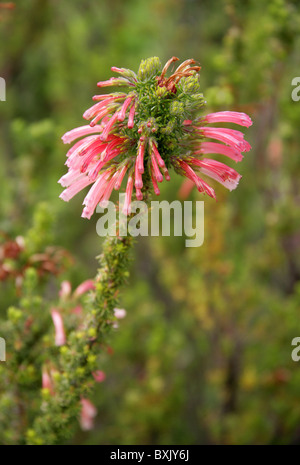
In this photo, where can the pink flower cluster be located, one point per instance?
(119, 140)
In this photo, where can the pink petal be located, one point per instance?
(128, 195)
(79, 132)
(119, 313)
(46, 381)
(122, 112)
(228, 136)
(131, 116)
(201, 185)
(65, 289)
(213, 147)
(99, 376)
(108, 126)
(84, 287)
(60, 336)
(76, 187)
(222, 173)
(87, 415)
(229, 117)
(122, 173)
(157, 173)
(157, 154)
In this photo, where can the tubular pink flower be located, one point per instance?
(108, 126)
(122, 112)
(70, 136)
(120, 313)
(114, 81)
(71, 177)
(95, 109)
(90, 156)
(138, 177)
(201, 185)
(219, 172)
(65, 289)
(185, 189)
(140, 157)
(214, 147)
(87, 415)
(139, 194)
(228, 136)
(75, 159)
(60, 336)
(122, 173)
(104, 113)
(78, 144)
(109, 188)
(94, 196)
(47, 381)
(84, 287)
(154, 182)
(157, 154)
(166, 173)
(128, 195)
(131, 116)
(107, 96)
(228, 117)
(74, 188)
(99, 376)
(157, 173)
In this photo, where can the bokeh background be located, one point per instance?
(204, 353)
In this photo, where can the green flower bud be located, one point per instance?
(149, 68)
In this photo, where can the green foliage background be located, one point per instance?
(204, 354)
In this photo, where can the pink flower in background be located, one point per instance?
(119, 313)
(185, 188)
(99, 376)
(47, 381)
(144, 132)
(65, 294)
(65, 289)
(84, 287)
(60, 336)
(87, 415)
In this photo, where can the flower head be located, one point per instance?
(142, 133)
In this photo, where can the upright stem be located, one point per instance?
(77, 359)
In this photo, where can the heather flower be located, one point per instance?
(84, 287)
(46, 380)
(119, 313)
(65, 290)
(87, 414)
(154, 125)
(60, 335)
(99, 376)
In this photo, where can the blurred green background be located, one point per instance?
(204, 353)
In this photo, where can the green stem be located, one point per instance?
(78, 357)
